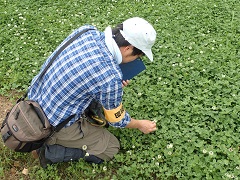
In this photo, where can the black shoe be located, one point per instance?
(41, 155)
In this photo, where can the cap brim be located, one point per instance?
(149, 54)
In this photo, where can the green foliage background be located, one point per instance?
(191, 89)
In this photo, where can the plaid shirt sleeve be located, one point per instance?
(112, 98)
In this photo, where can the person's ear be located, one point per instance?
(125, 48)
(129, 47)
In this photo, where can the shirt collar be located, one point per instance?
(112, 45)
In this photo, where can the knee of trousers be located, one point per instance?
(111, 150)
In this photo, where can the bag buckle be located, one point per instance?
(6, 136)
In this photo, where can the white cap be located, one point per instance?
(139, 33)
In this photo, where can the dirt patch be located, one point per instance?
(5, 106)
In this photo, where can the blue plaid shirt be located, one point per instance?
(84, 71)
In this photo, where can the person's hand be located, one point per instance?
(125, 83)
(147, 126)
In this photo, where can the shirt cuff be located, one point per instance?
(123, 123)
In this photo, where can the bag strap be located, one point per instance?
(62, 124)
(55, 56)
(61, 49)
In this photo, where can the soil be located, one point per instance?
(5, 106)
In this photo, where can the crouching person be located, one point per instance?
(88, 70)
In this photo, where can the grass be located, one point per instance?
(191, 88)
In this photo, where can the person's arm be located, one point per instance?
(145, 126)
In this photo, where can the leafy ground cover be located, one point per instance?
(191, 89)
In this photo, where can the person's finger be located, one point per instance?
(153, 129)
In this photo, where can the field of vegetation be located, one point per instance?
(192, 89)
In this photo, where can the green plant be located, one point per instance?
(191, 89)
